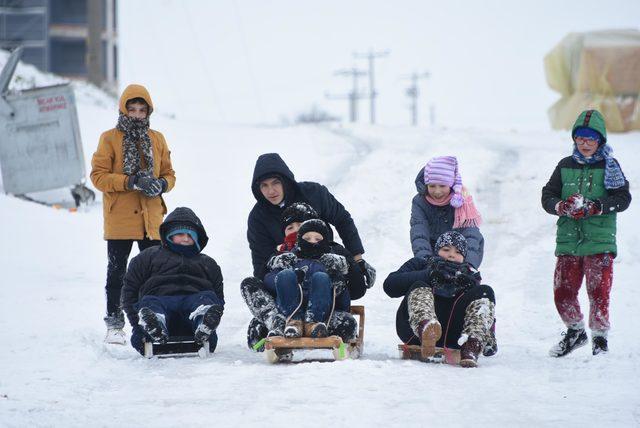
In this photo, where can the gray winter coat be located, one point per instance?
(428, 222)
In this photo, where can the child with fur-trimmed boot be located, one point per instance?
(310, 286)
(443, 204)
(586, 191)
(173, 289)
(443, 290)
(267, 320)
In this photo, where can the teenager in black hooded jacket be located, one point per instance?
(274, 187)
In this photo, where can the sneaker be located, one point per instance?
(115, 336)
(430, 332)
(315, 330)
(210, 322)
(293, 329)
(469, 352)
(572, 339)
(153, 325)
(599, 345)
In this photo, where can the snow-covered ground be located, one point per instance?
(55, 370)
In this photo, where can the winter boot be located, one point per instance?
(315, 329)
(599, 345)
(430, 332)
(276, 323)
(255, 333)
(469, 352)
(262, 305)
(153, 324)
(343, 324)
(115, 333)
(572, 339)
(293, 329)
(491, 345)
(211, 315)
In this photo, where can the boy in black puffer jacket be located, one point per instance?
(174, 289)
(443, 289)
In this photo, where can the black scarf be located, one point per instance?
(135, 130)
(307, 250)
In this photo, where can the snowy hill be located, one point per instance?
(57, 372)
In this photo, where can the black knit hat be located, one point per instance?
(314, 225)
(307, 249)
(453, 239)
(298, 212)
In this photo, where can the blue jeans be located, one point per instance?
(176, 310)
(316, 298)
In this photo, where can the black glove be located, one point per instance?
(334, 263)
(368, 271)
(465, 281)
(282, 261)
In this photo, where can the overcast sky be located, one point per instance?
(260, 61)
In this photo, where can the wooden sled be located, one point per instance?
(175, 347)
(412, 352)
(280, 349)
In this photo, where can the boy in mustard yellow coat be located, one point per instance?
(132, 168)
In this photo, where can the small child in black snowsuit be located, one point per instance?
(310, 287)
(443, 290)
(174, 289)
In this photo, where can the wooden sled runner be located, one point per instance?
(442, 355)
(280, 349)
(175, 347)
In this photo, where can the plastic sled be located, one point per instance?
(281, 349)
(175, 347)
(442, 355)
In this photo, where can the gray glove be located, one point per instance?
(148, 184)
(335, 263)
(282, 261)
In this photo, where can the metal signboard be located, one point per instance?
(40, 145)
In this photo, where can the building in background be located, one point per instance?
(73, 38)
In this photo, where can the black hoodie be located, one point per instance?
(264, 230)
(158, 271)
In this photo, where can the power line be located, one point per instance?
(371, 57)
(355, 95)
(413, 92)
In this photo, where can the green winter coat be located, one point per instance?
(595, 234)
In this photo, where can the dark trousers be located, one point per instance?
(118, 251)
(316, 301)
(176, 311)
(450, 313)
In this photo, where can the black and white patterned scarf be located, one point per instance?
(135, 131)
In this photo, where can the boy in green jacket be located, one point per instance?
(586, 191)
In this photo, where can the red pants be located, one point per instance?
(598, 270)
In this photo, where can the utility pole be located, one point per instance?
(413, 92)
(371, 56)
(354, 96)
